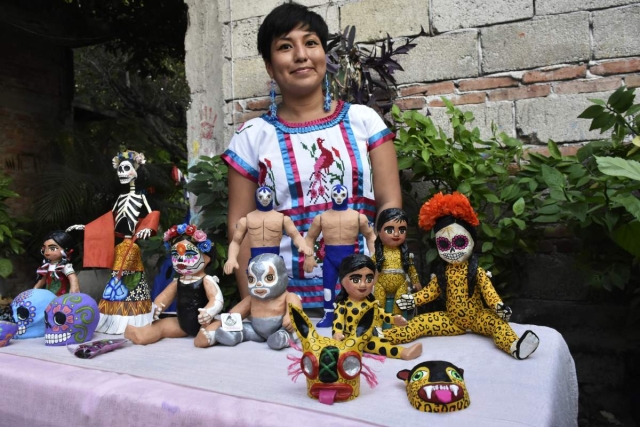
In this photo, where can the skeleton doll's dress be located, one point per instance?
(126, 298)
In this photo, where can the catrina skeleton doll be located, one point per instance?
(471, 300)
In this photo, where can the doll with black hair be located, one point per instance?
(357, 276)
(198, 296)
(472, 302)
(396, 273)
(56, 274)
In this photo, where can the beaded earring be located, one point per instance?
(273, 108)
(327, 94)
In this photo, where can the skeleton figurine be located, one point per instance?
(461, 282)
(340, 227)
(126, 298)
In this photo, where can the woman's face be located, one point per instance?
(358, 284)
(393, 233)
(52, 251)
(298, 63)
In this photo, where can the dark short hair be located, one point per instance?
(355, 262)
(286, 18)
(62, 238)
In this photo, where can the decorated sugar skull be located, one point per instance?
(267, 276)
(70, 319)
(455, 243)
(436, 386)
(264, 199)
(339, 197)
(332, 368)
(8, 330)
(126, 163)
(189, 248)
(28, 312)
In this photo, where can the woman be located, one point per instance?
(306, 144)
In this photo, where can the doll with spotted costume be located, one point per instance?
(357, 277)
(462, 283)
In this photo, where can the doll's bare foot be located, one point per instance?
(409, 353)
(205, 338)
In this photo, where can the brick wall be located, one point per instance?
(527, 65)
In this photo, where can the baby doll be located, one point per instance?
(461, 282)
(396, 272)
(266, 304)
(56, 273)
(357, 277)
(199, 298)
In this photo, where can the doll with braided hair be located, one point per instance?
(472, 303)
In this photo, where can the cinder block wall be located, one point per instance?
(527, 65)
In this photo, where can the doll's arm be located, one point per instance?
(339, 319)
(165, 298)
(312, 235)
(298, 240)
(74, 284)
(425, 295)
(488, 291)
(40, 283)
(214, 306)
(293, 299)
(243, 307)
(234, 246)
(367, 231)
(413, 275)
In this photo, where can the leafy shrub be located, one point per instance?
(11, 233)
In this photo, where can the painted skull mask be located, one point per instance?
(126, 172)
(70, 319)
(332, 368)
(455, 244)
(8, 330)
(339, 195)
(186, 258)
(267, 276)
(436, 386)
(28, 312)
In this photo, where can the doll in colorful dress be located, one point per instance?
(126, 299)
(396, 273)
(199, 298)
(357, 277)
(461, 282)
(340, 227)
(56, 273)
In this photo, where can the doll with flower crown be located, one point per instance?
(56, 274)
(198, 296)
(472, 302)
(126, 298)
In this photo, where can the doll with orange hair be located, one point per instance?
(461, 282)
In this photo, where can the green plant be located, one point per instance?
(209, 185)
(11, 233)
(478, 168)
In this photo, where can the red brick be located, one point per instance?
(565, 150)
(487, 83)
(467, 98)
(535, 91)
(440, 88)
(410, 103)
(238, 107)
(616, 67)
(632, 81)
(259, 104)
(565, 73)
(582, 86)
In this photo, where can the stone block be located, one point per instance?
(556, 117)
(250, 78)
(373, 19)
(616, 32)
(536, 43)
(236, 10)
(450, 15)
(240, 39)
(552, 7)
(500, 113)
(448, 56)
